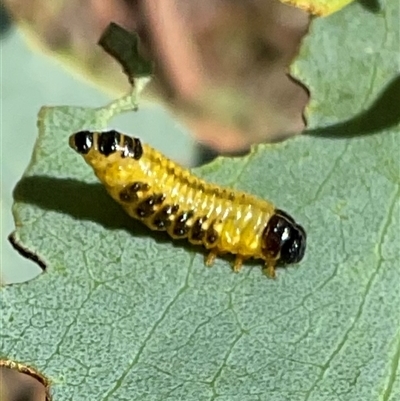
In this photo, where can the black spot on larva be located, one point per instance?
(174, 209)
(137, 149)
(212, 235)
(231, 196)
(127, 150)
(126, 195)
(146, 208)
(162, 218)
(129, 193)
(82, 141)
(181, 228)
(197, 233)
(161, 223)
(140, 186)
(159, 199)
(108, 142)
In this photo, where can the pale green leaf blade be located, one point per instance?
(124, 314)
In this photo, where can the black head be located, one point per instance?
(283, 239)
(81, 141)
(106, 143)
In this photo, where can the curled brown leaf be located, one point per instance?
(221, 65)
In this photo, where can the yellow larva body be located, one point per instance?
(238, 218)
(165, 196)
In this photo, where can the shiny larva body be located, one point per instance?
(167, 197)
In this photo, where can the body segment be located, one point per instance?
(167, 197)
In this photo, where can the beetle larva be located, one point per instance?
(167, 197)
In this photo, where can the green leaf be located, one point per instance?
(123, 313)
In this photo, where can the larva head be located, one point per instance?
(105, 144)
(283, 240)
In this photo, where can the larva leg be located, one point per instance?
(269, 270)
(211, 257)
(237, 265)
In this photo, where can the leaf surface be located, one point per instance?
(125, 314)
